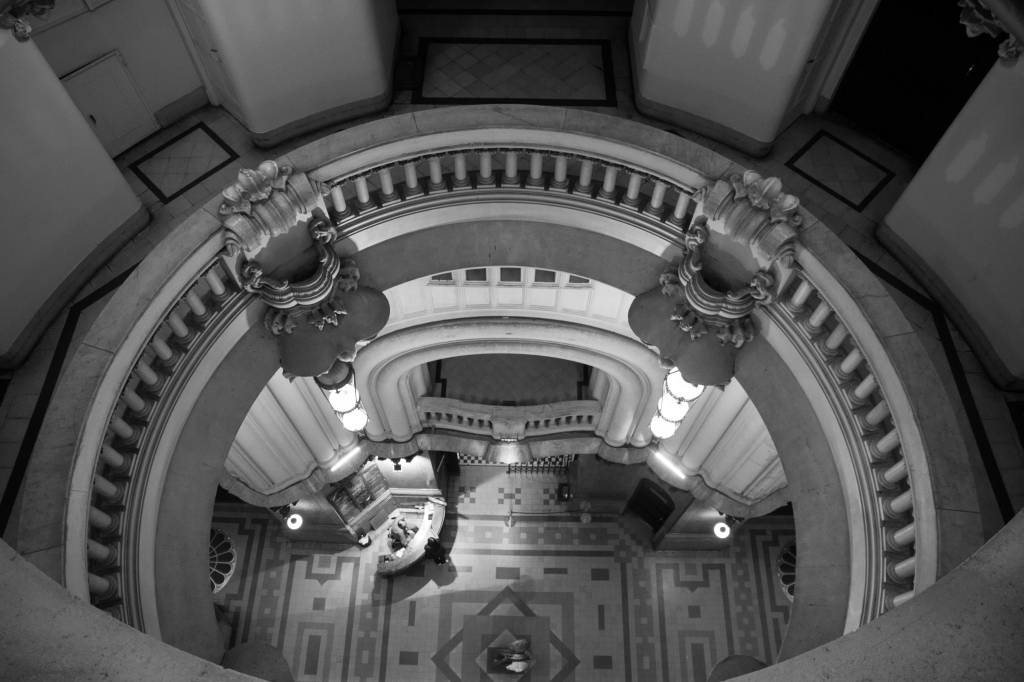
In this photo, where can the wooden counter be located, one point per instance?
(429, 527)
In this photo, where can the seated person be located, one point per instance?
(516, 656)
(401, 533)
(435, 551)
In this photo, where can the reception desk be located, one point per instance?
(430, 524)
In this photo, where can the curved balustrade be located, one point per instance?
(612, 184)
(661, 206)
(122, 468)
(509, 423)
(885, 491)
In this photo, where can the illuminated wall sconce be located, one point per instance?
(677, 397)
(340, 386)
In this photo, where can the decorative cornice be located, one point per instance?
(315, 299)
(262, 204)
(15, 16)
(980, 20)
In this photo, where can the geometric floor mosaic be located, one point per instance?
(183, 162)
(593, 603)
(464, 70)
(840, 170)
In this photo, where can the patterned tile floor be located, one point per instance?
(495, 70)
(595, 605)
(183, 162)
(841, 170)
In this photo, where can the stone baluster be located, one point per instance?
(198, 312)
(536, 176)
(655, 207)
(897, 539)
(678, 217)
(460, 180)
(152, 382)
(607, 191)
(218, 292)
(100, 554)
(890, 478)
(560, 181)
(632, 197)
(798, 300)
(412, 180)
(833, 343)
(166, 357)
(894, 599)
(103, 522)
(871, 421)
(127, 434)
(848, 367)
(882, 447)
(114, 460)
(813, 323)
(340, 208)
(899, 505)
(899, 571)
(388, 194)
(583, 184)
(437, 183)
(101, 587)
(363, 201)
(861, 393)
(139, 408)
(485, 176)
(107, 489)
(510, 178)
(181, 334)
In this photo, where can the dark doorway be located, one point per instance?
(914, 70)
(650, 503)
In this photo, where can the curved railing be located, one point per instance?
(548, 159)
(509, 423)
(122, 468)
(831, 333)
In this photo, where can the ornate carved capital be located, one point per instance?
(316, 299)
(262, 204)
(755, 211)
(15, 16)
(700, 308)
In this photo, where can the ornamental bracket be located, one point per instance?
(700, 308)
(316, 300)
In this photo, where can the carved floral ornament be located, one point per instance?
(264, 203)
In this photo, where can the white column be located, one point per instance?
(960, 222)
(61, 193)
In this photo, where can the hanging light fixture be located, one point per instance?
(340, 386)
(679, 388)
(674, 403)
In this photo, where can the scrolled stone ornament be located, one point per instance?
(689, 322)
(253, 186)
(767, 194)
(761, 285)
